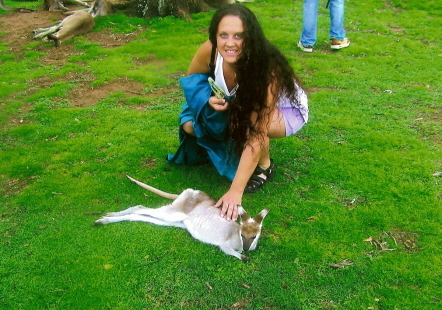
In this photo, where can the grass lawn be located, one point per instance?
(356, 212)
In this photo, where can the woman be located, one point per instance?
(264, 100)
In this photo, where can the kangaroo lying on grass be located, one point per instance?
(194, 210)
(79, 22)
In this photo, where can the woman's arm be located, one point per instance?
(247, 164)
(256, 152)
(200, 64)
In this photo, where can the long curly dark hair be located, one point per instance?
(259, 65)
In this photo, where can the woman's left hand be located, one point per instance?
(218, 104)
(229, 203)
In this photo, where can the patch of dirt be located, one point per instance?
(17, 33)
(85, 95)
(10, 187)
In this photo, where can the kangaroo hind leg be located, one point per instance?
(164, 216)
(167, 213)
(135, 218)
(128, 211)
(174, 212)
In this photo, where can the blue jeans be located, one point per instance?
(310, 17)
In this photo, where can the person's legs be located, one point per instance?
(264, 171)
(310, 17)
(277, 130)
(264, 159)
(337, 30)
(285, 122)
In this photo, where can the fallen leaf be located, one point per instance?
(240, 304)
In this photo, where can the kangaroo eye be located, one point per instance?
(242, 236)
(253, 238)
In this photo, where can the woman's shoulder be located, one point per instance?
(201, 60)
(206, 47)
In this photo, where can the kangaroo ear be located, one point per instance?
(261, 215)
(243, 216)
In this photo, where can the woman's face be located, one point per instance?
(229, 38)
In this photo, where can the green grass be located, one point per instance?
(365, 166)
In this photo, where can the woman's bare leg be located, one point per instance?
(188, 128)
(276, 130)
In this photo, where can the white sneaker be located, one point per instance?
(337, 44)
(307, 49)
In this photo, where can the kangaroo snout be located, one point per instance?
(251, 228)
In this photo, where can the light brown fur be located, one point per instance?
(102, 8)
(78, 23)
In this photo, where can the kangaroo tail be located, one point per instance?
(153, 189)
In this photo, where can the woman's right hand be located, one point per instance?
(229, 203)
(217, 104)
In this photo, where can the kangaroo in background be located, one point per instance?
(78, 23)
(194, 211)
(102, 8)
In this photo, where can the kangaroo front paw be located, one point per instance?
(244, 258)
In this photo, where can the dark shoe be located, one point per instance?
(257, 180)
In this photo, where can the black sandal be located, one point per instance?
(256, 181)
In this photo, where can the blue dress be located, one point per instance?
(211, 143)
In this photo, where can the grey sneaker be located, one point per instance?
(307, 49)
(337, 44)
